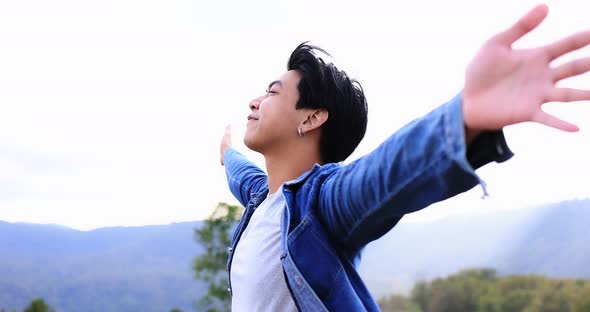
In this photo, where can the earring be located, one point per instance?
(299, 131)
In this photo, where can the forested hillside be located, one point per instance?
(149, 268)
(110, 269)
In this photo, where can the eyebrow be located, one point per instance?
(277, 82)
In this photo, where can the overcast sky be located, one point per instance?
(112, 111)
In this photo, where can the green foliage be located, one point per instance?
(481, 290)
(176, 310)
(215, 237)
(39, 305)
(399, 303)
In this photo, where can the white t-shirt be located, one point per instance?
(257, 278)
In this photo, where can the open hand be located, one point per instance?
(225, 143)
(504, 86)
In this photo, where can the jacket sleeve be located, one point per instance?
(244, 178)
(424, 162)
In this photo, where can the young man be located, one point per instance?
(308, 218)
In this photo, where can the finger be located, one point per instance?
(568, 95)
(554, 122)
(523, 26)
(568, 44)
(225, 143)
(571, 69)
(226, 139)
(228, 130)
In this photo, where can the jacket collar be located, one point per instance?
(303, 177)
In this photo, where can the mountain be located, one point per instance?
(148, 268)
(110, 269)
(551, 240)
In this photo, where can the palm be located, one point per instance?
(505, 86)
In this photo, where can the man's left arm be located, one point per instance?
(424, 162)
(503, 86)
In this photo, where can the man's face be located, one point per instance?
(274, 120)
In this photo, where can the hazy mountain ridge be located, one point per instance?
(557, 243)
(110, 269)
(551, 240)
(149, 268)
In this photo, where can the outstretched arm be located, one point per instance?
(428, 161)
(243, 176)
(424, 162)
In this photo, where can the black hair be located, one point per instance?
(323, 86)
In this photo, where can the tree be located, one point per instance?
(482, 290)
(38, 305)
(215, 236)
(421, 295)
(398, 303)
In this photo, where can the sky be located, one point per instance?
(111, 112)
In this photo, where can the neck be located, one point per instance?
(289, 162)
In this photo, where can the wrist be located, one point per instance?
(470, 134)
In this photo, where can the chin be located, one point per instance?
(250, 143)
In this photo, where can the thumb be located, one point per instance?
(227, 130)
(225, 143)
(523, 26)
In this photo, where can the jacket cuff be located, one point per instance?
(488, 146)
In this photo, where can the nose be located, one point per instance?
(255, 103)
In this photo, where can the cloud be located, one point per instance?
(112, 111)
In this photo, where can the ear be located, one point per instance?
(315, 119)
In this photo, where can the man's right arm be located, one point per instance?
(243, 177)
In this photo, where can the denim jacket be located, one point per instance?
(334, 210)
